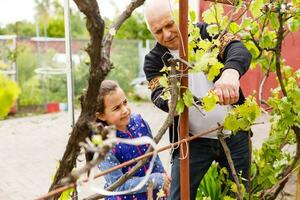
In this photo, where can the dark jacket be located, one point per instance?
(235, 56)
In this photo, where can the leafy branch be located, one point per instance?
(277, 19)
(231, 165)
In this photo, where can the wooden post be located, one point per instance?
(184, 130)
(298, 186)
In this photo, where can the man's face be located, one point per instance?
(164, 30)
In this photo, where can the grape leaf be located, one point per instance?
(180, 106)
(209, 101)
(97, 140)
(255, 7)
(274, 23)
(241, 117)
(214, 71)
(192, 15)
(213, 14)
(163, 81)
(188, 98)
(212, 30)
(234, 27)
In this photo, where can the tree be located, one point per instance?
(77, 22)
(55, 27)
(99, 52)
(134, 28)
(43, 13)
(20, 28)
(263, 32)
(9, 92)
(264, 35)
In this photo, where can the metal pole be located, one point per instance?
(39, 63)
(15, 66)
(70, 81)
(38, 38)
(184, 130)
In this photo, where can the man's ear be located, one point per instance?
(100, 116)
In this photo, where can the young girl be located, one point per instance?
(113, 109)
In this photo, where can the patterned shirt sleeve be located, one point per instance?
(110, 161)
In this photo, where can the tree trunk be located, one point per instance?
(98, 70)
(99, 53)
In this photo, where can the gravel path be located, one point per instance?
(31, 147)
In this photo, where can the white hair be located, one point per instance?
(149, 4)
(146, 20)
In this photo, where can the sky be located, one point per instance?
(15, 10)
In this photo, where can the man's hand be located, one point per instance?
(227, 87)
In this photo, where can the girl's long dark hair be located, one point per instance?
(106, 87)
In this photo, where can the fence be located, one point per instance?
(40, 65)
(7, 62)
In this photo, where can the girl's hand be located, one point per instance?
(167, 182)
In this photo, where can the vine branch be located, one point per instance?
(231, 165)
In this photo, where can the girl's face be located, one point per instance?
(116, 110)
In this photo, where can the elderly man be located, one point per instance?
(203, 151)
